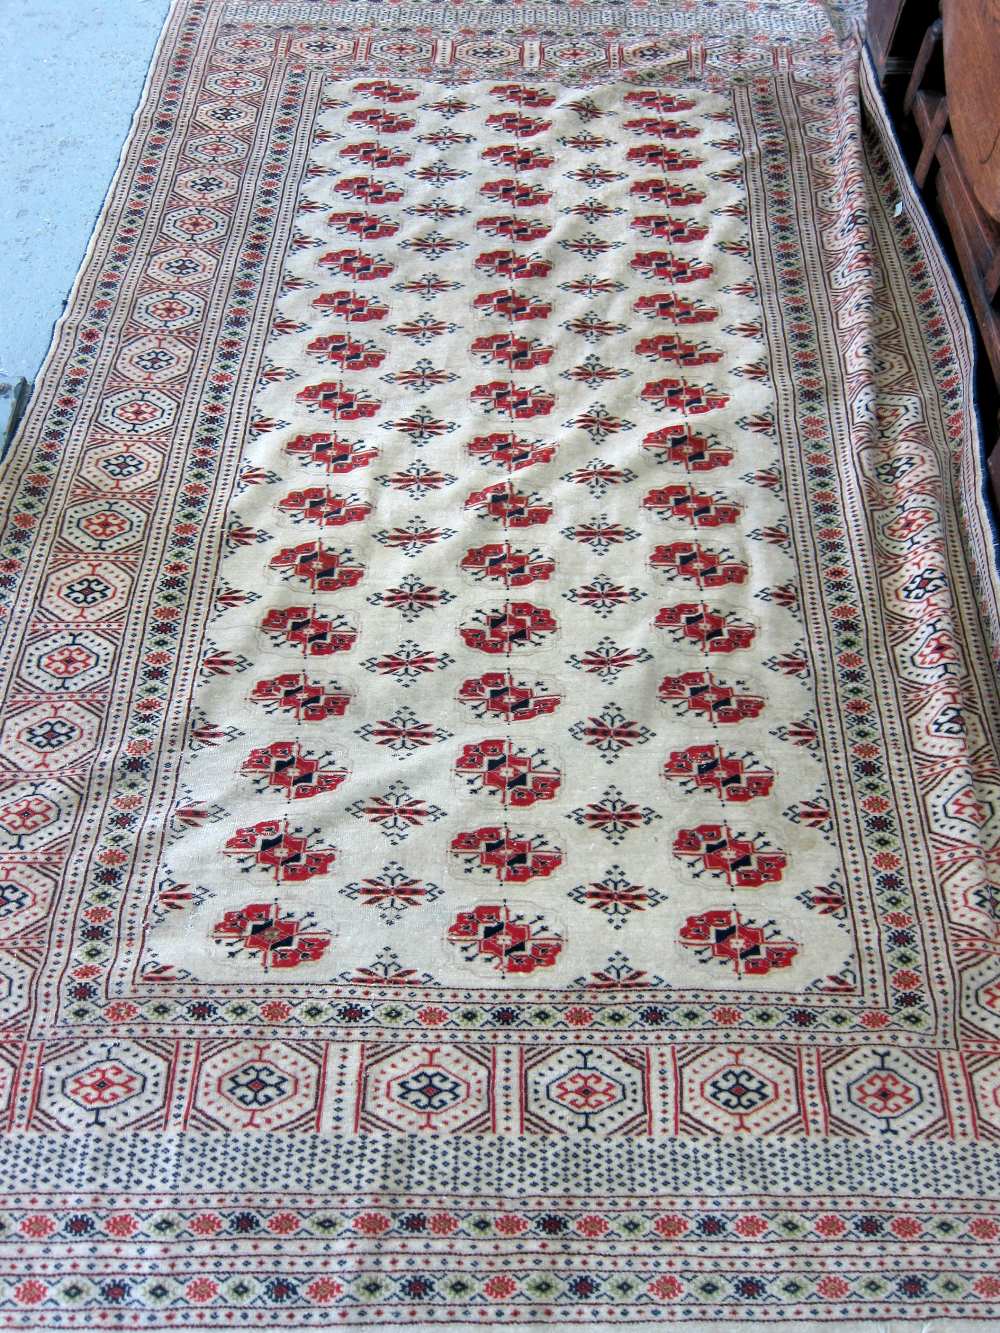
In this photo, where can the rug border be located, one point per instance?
(987, 506)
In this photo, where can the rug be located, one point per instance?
(500, 801)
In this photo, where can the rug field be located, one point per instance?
(500, 751)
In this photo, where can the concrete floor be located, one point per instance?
(72, 72)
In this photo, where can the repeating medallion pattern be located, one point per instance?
(499, 620)
(414, 575)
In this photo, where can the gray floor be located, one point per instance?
(72, 72)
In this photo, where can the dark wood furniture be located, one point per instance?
(895, 29)
(952, 101)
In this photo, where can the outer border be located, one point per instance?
(875, 108)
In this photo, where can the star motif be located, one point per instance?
(610, 732)
(403, 733)
(603, 596)
(616, 896)
(396, 811)
(607, 661)
(613, 816)
(392, 892)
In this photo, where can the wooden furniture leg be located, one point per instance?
(931, 42)
(937, 127)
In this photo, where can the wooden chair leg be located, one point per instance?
(932, 39)
(993, 468)
(934, 132)
(991, 279)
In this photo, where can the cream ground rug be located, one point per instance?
(500, 802)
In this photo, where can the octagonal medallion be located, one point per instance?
(121, 467)
(86, 591)
(68, 660)
(103, 525)
(195, 224)
(182, 264)
(137, 411)
(154, 358)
